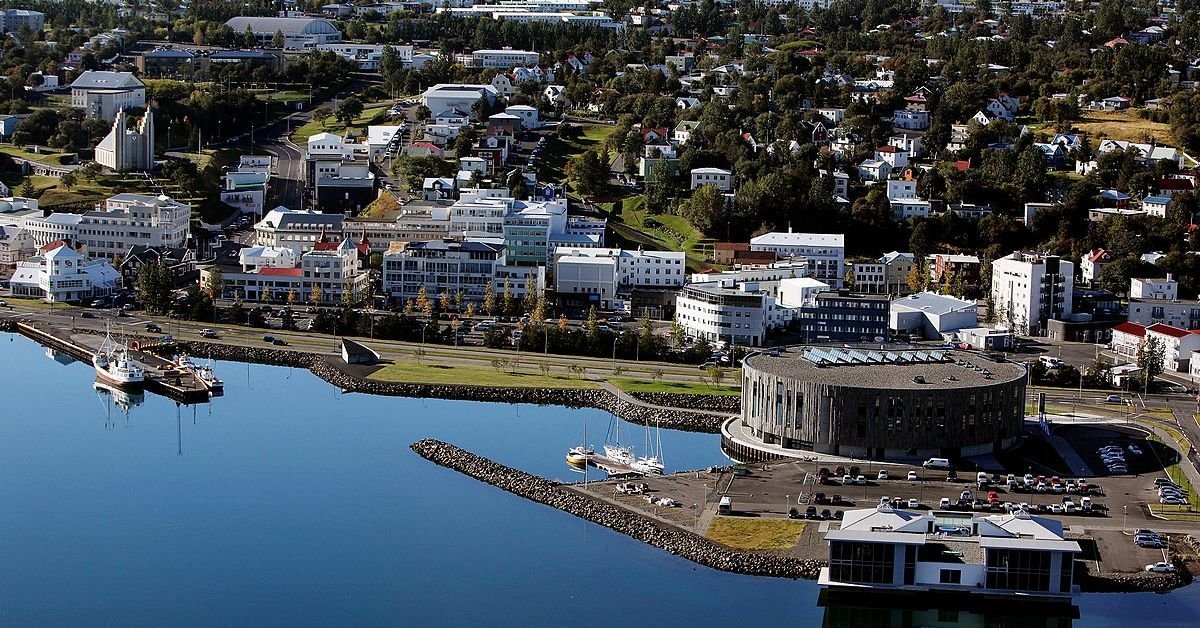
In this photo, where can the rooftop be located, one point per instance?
(897, 367)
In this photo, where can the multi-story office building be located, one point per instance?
(740, 315)
(845, 316)
(825, 252)
(438, 266)
(502, 59)
(330, 273)
(125, 220)
(1028, 290)
(102, 94)
(299, 230)
(598, 275)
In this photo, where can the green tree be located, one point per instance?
(215, 284)
(1151, 357)
(592, 326)
(248, 38)
(348, 110)
(704, 209)
(322, 114)
(424, 305)
(277, 39)
(154, 286)
(588, 173)
(507, 302)
(69, 180)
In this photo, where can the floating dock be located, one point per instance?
(161, 378)
(612, 467)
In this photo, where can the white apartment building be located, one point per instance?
(717, 177)
(1028, 290)
(60, 274)
(332, 272)
(1179, 345)
(1154, 289)
(268, 257)
(102, 94)
(501, 59)
(11, 20)
(825, 252)
(608, 273)
(741, 315)
(125, 220)
(439, 266)
(444, 96)
(298, 230)
(1092, 262)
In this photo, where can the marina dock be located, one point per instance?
(610, 466)
(180, 386)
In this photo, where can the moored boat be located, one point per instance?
(114, 366)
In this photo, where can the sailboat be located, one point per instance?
(114, 366)
(652, 462)
(577, 457)
(615, 450)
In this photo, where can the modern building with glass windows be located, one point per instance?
(1017, 554)
(879, 403)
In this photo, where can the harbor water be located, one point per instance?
(287, 503)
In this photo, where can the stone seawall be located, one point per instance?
(674, 540)
(327, 368)
(714, 403)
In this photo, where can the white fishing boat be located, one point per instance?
(114, 366)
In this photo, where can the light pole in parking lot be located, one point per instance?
(1124, 518)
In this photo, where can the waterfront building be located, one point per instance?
(438, 266)
(332, 271)
(125, 220)
(598, 276)
(885, 549)
(882, 404)
(59, 273)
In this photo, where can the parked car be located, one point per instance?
(1115, 399)
(153, 328)
(1160, 567)
(208, 333)
(883, 475)
(279, 342)
(913, 503)
(268, 338)
(88, 315)
(913, 477)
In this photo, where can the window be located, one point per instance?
(867, 563)
(950, 576)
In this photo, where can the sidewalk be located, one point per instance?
(1069, 456)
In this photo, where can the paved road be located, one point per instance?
(477, 357)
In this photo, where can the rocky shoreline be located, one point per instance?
(326, 368)
(674, 540)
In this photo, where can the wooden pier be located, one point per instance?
(180, 386)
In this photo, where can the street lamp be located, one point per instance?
(1124, 518)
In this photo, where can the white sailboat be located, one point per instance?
(652, 462)
(114, 366)
(615, 450)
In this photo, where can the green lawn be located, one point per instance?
(411, 372)
(663, 231)
(46, 156)
(373, 114)
(685, 388)
(552, 163)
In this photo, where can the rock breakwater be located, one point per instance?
(331, 370)
(677, 541)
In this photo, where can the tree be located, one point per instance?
(507, 302)
(348, 110)
(277, 39)
(563, 324)
(1151, 357)
(538, 315)
(316, 293)
(489, 299)
(27, 190)
(266, 294)
(322, 113)
(248, 38)
(459, 298)
(849, 280)
(444, 301)
(470, 311)
(291, 297)
(588, 173)
(531, 296)
(704, 208)
(215, 284)
(154, 286)
(915, 280)
(424, 305)
(69, 180)
(592, 326)
(90, 170)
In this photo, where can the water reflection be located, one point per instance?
(916, 611)
(59, 356)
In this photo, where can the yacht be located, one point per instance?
(114, 366)
(204, 373)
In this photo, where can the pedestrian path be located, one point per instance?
(625, 397)
(1070, 456)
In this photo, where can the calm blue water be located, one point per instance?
(294, 505)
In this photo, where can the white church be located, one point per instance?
(125, 149)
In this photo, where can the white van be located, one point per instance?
(936, 463)
(725, 506)
(1050, 362)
